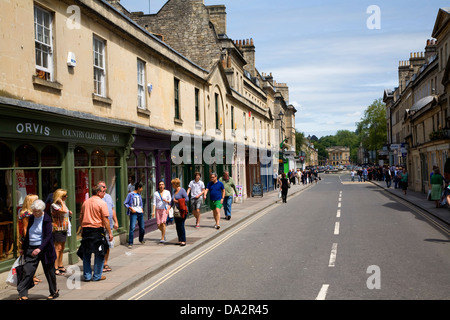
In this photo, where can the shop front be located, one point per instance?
(149, 163)
(41, 152)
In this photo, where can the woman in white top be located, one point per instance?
(161, 207)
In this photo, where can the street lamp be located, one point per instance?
(280, 153)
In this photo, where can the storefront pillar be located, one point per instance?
(68, 161)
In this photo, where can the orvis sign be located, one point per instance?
(60, 132)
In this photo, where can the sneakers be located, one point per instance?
(217, 227)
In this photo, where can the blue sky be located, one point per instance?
(334, 64)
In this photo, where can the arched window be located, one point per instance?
(81, 157)
(50, 157)
(98, 158)
(6, 159)
(27, 156)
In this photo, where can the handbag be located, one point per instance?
(176, 212)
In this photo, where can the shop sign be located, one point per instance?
(24, 128)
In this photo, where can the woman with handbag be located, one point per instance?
(61, 226)
(38, 247)
(180, 211)
(161, 207)
(284, 186)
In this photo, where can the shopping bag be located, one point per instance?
(12, 275)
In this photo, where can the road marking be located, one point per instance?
(338, 214)
(333, 255)
(323, 292)
(159, 282)
(339, 205)
(336, 229)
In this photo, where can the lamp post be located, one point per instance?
(282, 141)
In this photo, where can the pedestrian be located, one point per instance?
(24, 218)
(94, 219)
(113, 223)
(230, 190)
(197, 189)
(161, 207)
(179, 204)
(397, 177)
(352, 174)
(135, 210)
(61, 216)
(284, 186)
(404, 180)
(38, 247)
(217, 195)
(365, 174)
(24, 215)
(388, 177)
(437, 182)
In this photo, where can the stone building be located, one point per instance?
(87, 94)
(252, 99)
(418, 109)
(338, 155)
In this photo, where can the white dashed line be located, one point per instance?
(323, 292)
(336, 228)
(333, 255)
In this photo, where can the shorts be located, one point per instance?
(215, 205)
(161, 216)
(196, 203)
(59, 236)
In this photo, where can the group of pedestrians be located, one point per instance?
(397, 175)
(439, 187)
(44, 228)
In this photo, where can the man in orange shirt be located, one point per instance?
(94, 220)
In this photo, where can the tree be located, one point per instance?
(372, 131)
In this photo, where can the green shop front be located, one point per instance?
(41, 151)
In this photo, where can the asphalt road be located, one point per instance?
(335, 241)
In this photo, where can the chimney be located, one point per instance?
(405, 73)
(430, 49)
(218, 17)
(248, 50)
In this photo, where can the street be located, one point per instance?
(335, 241)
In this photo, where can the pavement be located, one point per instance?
(419, 200)
(132, 267)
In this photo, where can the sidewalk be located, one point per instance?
(131, 267)
(419, 200)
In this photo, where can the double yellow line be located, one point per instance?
(159, 282)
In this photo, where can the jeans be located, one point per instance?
(98, 266)
(181, 232)
(139, 217)
(227, 202)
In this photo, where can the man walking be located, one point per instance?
(135, 209)
(229, 185)
(196, 189)
(217, 190)
(94, 220)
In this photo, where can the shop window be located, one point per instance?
(98, 158)
(81, 157)
(113, 159)
(6, 157)
(141, 159)
(6, 203)
(50, 157)
(27, 156)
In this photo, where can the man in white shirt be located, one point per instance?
(197, 189)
